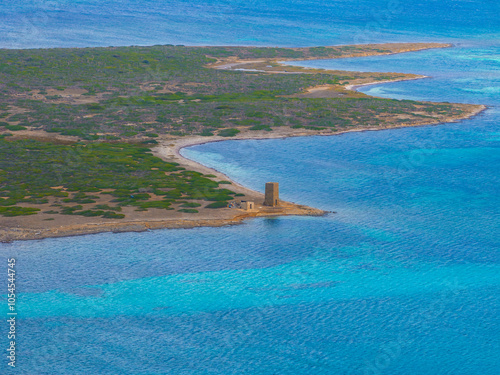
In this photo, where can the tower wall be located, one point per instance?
(272, 194)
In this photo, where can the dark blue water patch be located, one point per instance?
(214, 22)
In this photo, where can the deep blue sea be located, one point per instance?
(402, 280)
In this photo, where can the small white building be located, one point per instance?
(247, 205)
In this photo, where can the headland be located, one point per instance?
(139, 131)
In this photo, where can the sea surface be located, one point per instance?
(402, 279)
(90, 23)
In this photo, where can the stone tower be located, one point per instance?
(272, 194)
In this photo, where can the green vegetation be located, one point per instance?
(228, 132)
(13, 127)
(87, 174)
(221, 204)
(117, 100)
(145, 92)
(191, 204)
(17, 211)
(189, 210)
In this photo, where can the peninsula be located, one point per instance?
(90, 138)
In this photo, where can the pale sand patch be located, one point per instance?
(354, 87)
(34, 227)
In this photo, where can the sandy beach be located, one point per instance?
(169, 149)
(38, 227)
(354, 87)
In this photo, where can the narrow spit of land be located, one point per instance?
(90, 138)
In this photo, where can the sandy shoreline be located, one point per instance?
(176, 145)
(29, 227)
(169, 149)
(356, 86)
(231, 62)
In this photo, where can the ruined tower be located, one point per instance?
(272, 194)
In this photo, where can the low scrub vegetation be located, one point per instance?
(77, 178)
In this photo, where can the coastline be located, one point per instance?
(354, 87)
(176, 145)
(228, 63)
(169, 149)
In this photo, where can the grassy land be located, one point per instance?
(138, 93)
(69, 177)
(131, 95)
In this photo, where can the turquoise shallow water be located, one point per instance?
(403, 279)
